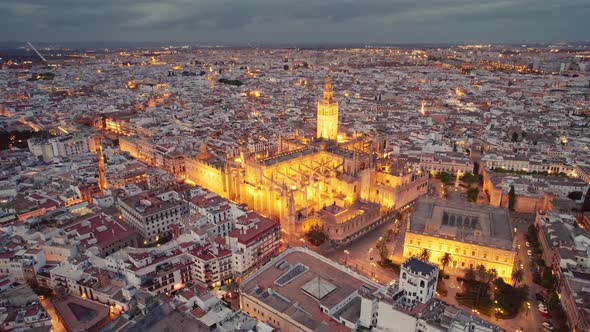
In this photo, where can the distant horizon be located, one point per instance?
(12, 44)
(302, 22)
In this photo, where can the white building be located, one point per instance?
(418, 279)
(59, 147)
(152, 215)
(253, 240)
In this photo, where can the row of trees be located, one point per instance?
(445, 260)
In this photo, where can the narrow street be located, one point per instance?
(55, 320)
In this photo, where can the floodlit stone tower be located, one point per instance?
(327, 121)
(102, 179)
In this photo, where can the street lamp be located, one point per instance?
(346, 257)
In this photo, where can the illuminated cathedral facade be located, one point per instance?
(345, 184)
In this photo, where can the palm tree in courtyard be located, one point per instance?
(517, 276)
(445, 260)
(492, 275)
(425, 254)
(482, 273)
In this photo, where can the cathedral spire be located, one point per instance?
(327, 121)
(328, 93)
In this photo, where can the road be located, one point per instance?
(361, 255)
(531, 319)
(56, 322)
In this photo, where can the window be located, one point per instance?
(472, 252)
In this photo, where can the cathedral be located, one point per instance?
(344, 184)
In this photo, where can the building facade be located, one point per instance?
(472, 234)
(151, 216)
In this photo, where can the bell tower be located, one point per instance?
(327, 121)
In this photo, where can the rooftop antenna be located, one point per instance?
(39, 54)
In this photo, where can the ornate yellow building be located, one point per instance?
(472, 234)
(301, 181)
(327, 120)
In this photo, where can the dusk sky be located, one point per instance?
(296, 21)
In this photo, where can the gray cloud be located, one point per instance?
(387, 21)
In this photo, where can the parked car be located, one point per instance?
(527, 244)
(529, 252)
(547, 325)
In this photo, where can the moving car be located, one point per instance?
(527, 244)
(529, 252)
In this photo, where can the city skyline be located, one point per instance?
(334, 186)
(264, 22)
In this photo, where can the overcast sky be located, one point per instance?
(296, 21)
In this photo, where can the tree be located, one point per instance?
(492, 275)
(233, 286)
(511, 198)
(468, 178)
(472, 194)
(586, 205)
(383, 252)
(425, 254)
(389, 235)
(316, 235)
(445, 260)
(548, 280)
(482, 273)
(510, 299)
(517, 276)
(445, 178)
(470, 274)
